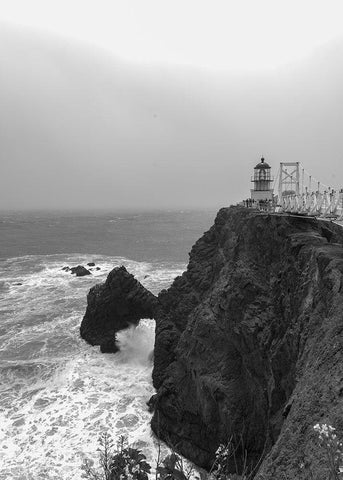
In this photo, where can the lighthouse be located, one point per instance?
(262, 181)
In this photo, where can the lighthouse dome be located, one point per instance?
(262, 165)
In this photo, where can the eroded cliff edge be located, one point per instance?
(249, 341)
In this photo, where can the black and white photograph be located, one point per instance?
(171, 240)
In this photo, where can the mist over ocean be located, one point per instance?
(57, 393)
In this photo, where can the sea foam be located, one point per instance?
(57, 393)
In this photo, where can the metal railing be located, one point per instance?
(327, 204)
(321, 204)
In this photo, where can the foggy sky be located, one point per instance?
(82, 129)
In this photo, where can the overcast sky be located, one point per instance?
(164, 104)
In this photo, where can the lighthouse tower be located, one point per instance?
(262, 181)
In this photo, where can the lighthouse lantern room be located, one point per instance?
(262, 181)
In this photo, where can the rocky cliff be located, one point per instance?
(249, 342)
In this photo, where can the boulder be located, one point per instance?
(80, 271)
(91, 264)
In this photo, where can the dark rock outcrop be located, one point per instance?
(109, 346)
(249, 341)
(80, 271)
(114, 305)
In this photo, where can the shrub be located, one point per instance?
(221, 466)
(172, 468)
(122, 462)
(333, 448)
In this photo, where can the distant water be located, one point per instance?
(57, 393)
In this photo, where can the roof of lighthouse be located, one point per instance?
(262, 165)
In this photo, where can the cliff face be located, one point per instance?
(249, 341)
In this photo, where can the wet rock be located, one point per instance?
(115, 305)
(66, 269)
(151, 403)
(109, 346)
(18, 284)
(80, 271)
(91, 264)
(97, 268)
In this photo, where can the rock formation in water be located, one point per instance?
(115, 305)
(80, 271)
(249, 342)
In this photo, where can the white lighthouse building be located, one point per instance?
(262, 180)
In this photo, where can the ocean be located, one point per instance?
(57, 393)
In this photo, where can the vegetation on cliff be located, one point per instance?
(125, 462)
